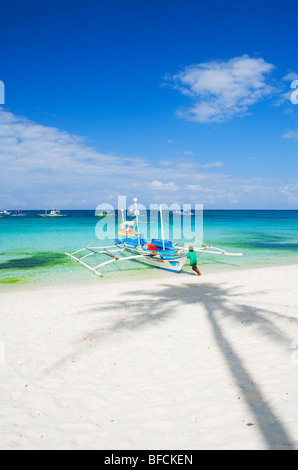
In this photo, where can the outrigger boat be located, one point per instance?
(160, 253)
(53, 213)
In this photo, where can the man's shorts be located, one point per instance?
(194, 267)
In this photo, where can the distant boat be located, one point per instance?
(53, 213)
(18, 214)
(4, 213)
(103, 214)
(182, 212)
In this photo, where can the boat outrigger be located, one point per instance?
(131, 245)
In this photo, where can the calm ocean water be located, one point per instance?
(32, 249)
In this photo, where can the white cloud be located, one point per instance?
(285, 91)
(163, 186)
(290, 76)
(212, 165)
(222, 89)
(42, 167)
(291, 192)
(199, 188)
(290, 187)
(291, 135)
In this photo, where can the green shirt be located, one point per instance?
(192, 257)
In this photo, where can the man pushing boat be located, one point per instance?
(193, 260)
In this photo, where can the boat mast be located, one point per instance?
(137, 217)
(162, 231)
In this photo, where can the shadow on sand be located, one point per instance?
(164, 302)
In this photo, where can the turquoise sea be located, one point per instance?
(32, 249)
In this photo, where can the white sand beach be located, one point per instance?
(173, 362)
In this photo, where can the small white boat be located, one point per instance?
(4, 213)
(53, 213)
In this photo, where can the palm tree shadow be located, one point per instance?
(273, 431)
(147, 306)
(270, 426)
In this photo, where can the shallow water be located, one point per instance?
(32, 249)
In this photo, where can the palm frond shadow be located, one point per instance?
(153, 306)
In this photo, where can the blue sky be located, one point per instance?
(170, 101)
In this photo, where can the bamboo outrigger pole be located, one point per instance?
(137, 217)
(162, 230)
